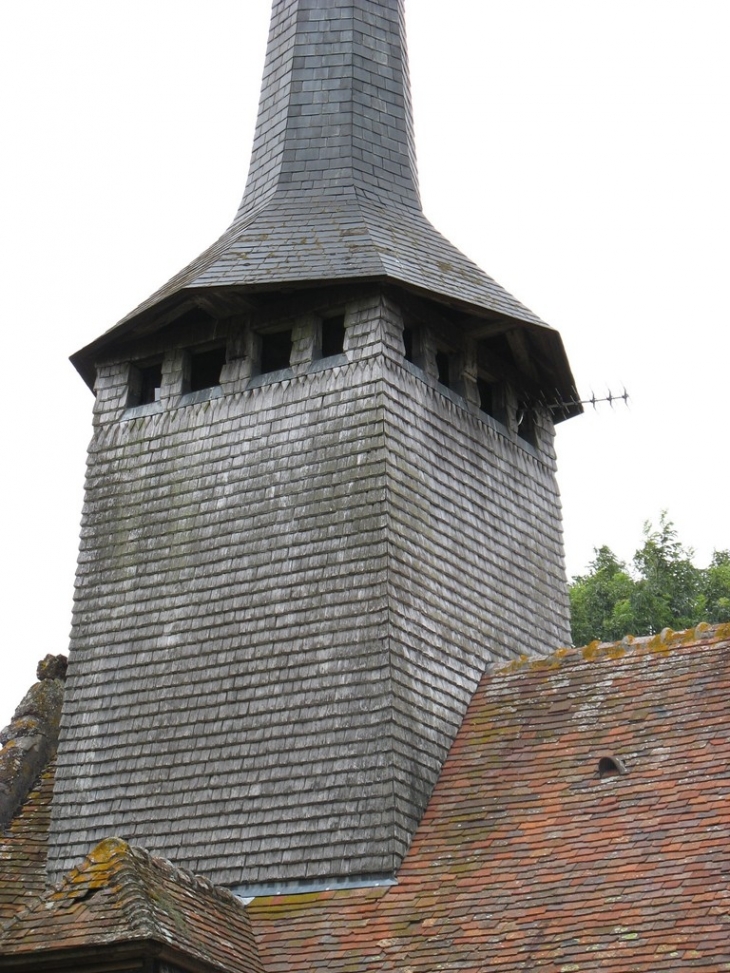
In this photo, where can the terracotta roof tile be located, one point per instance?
(23, 849)
(27, 771)
(29, 741)
(526, 858)
(121, 896)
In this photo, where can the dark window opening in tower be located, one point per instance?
(488, 399)
(205, 368)
(495, 355)
(275, 351)
(443, 368)
(526, 423)
(333, 336)
(145, 382)
(408, 344)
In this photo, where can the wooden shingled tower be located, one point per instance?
(320, 499)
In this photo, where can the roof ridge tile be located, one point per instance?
(661, 642)
(148, 900)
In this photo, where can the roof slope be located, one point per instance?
(29, 741)
(121, 895)
(27, 764)
(527, 858)
(293, 240)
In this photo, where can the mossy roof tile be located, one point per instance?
(23, 848)
(526, 858)
(121, 895)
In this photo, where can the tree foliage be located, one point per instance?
(662, 589)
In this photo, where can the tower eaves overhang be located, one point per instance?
(332, 193)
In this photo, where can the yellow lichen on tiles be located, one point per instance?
(107, 849)
(515, 665)
(591, 651)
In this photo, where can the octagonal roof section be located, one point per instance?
(332, 193)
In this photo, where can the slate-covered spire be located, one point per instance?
(335, 111)
(332, 193)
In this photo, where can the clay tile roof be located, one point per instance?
(27, 769)
(120, 896)
(28, 743)
(527, 858)
(23, 849)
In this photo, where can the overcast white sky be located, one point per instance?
(577, 150)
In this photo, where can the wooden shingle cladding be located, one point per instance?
(231, 598)
(335, 111)
(286, 594)
(290, 581)
(475, 571)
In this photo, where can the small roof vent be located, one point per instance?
(611, 767)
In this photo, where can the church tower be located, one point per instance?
(320, 500)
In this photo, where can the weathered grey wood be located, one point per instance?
(288, 585)
(285, 597)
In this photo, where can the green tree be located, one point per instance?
(668, 587)
(664, 589)
(716, 588)
(601, 601)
